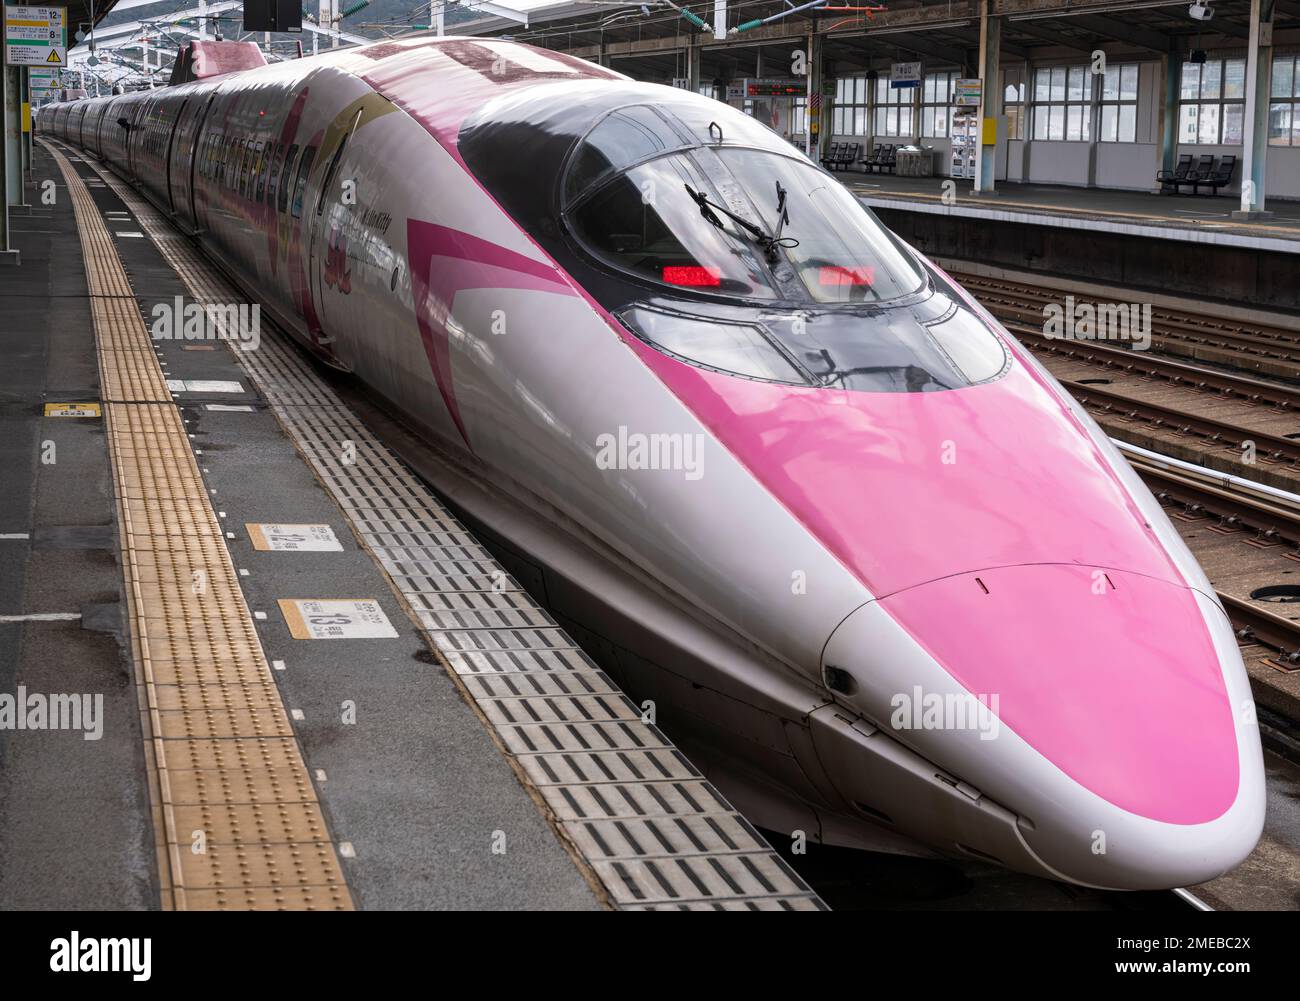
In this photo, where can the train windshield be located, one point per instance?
(726, 219)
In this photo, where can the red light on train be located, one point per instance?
(834, 274)
(692, 276)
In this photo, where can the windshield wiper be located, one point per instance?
(782, 216)
(768, 243)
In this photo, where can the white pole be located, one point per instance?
(203, 20)
(719, 18)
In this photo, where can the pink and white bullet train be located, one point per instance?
(787, 478)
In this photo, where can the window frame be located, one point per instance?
(1219, 101)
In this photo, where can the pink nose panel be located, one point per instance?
(1111, 676)
(907, 487)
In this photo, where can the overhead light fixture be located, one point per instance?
(1197, 56)
(1201, 11)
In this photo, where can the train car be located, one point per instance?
(871, 564)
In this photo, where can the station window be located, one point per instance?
(1119, 94)
(1013, 103)
(1212, 102)
(893, 109)
(1284, 105)
(849, 117)
(1063, 104)
(936, 104)
(798, 116)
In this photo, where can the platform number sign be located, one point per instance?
(36, 36)
(335, 619)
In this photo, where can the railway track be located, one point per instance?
(1252, 347)
(1212, 416)
(1266, 519)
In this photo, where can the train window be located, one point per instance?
(972, 346)
(268, 155)
(733, 220)
(643, 221)
(737, 348)
(286, 182)
(304, 168)
(840, 252)
(333, 167)
(621, 139)
(272, 182)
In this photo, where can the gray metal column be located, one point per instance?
(986, 164)
(26, 98)
(10, 156)
(1171, 64)
(693, 64)
(1259, 61)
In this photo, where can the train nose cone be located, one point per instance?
(1120, 700)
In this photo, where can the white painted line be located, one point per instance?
(243, 572)
(230, 535)
(259, 615)
(278, 665)
(320, 775)
(43, 617)
(130, 234)
(229, 407)
(15, 535)
(297, 714)
(346, 850)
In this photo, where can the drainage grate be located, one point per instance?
(655, 832)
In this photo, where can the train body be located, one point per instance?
(872, 565)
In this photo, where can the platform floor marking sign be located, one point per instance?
(233, 408)
(336, 619)
(72, 410)
(203, 386)
(277, 538)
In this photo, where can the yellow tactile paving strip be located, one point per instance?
(236, 818)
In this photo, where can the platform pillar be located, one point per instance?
(10, 156)
(986, 164)
(1254, 167)
(693, 52)
(813, 106)
(1171, 65)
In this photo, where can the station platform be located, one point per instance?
(315, 689)
(1201, 219)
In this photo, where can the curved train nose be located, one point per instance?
(1117, 722)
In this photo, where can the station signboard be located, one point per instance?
(903, 75)
(36, 36)
(968, 93)
(44, 81)
(775, 88)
